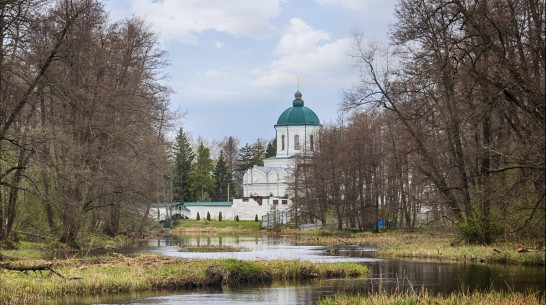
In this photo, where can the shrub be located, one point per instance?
(237, 218)
(256, 218)
(198, 217)
(208, 216)
(220, 216)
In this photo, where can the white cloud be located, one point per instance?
(307, 53)
(180, 20)
(217, 44)
(357, 5)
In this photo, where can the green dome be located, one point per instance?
(298, 114)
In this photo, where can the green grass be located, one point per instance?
(425, 298)
(147, 272)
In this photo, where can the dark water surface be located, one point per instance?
(386, 275)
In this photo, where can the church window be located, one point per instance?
(297, 142)
(284, 201)
(275, 201)
(311, 142)
(282, 141)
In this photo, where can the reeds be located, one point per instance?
(425, 298)
(146, 272)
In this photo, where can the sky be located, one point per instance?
(235, 64)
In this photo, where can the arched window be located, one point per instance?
(311, 142)
(282, 142)
(297, 142)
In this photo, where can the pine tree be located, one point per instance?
(250, 155)
(258, 153)
(220, 216)
(183, 158)
(244, 159)
(208, 216)
(223, 180)
(256, 218)
(201, 179)
(198, 217)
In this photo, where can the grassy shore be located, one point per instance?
(426, 246)
(424, 298)
(147, 272)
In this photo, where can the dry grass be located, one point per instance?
(426, 246)
(146, 272)
(425, 298)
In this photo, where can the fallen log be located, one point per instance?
(35, 268)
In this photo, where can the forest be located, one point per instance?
(447, 121)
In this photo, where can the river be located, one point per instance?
(387, 275)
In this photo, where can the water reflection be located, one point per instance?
(387, 276)
(248, 248)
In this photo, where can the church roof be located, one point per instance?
(298, 114)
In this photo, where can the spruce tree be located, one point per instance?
(220, 216)
(198, 217)
(223, 180)
(201, 179)
(208, 216)
(271, 150)
(183, 157)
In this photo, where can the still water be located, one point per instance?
(386, 275)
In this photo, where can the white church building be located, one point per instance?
(265, 188)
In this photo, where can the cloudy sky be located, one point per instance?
(235, 63)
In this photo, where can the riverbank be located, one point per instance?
(424, 298)
(390, 244)
(431, 247)
(118, 274)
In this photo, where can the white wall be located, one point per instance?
(303, 131)
(249, 209)
(213, 210)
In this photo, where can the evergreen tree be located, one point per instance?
(271, 150)
(258, 153)
(201, 179)
(220, 216)
(208, 216)
(223, 180)
(250, 155)
(198, 217)
(183, 158)
(244, 160)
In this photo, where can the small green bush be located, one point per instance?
(198, 217)
(237, 218)
(256, 218)
(220, 216)
(208, 216)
